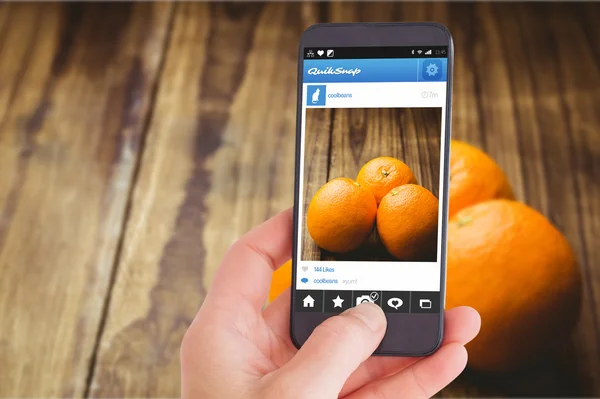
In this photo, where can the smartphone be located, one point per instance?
(371, 184)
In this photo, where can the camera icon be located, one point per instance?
(363, 299)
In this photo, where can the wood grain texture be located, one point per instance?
(338, 142)
(523, 124)
(217, 157)
(526, 81)
(75, 89)
(317, 144)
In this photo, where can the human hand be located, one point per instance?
(234, 349)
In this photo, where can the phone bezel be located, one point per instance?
(377, 35)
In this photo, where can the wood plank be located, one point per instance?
(409, 134)
(219, 159)
(467, 125)
(535, 188)
(75, 87)
(317, 144)
(578, 77)
(520, 94)
(544, 135)
(466, 107)
(541, 137)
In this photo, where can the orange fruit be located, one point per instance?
(341, 215)
(382, 174)
(474, 177)
(510, 263)
(407, 222)
(280, 281)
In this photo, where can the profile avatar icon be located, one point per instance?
(315, 96)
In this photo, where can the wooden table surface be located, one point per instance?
(138, 141)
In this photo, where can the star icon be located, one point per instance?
(337, 302)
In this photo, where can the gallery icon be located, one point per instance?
(425, 303)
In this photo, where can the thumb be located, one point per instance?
(335, 349)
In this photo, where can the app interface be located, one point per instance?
(373, 123)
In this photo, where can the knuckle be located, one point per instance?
(245, 246)
(187, 348)
(277, 388)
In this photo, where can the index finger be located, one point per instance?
(244, 276)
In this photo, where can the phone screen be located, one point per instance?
(370, 181)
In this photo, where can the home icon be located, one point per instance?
(309, 302)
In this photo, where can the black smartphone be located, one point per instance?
(371, 190)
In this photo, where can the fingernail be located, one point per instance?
(370, 314)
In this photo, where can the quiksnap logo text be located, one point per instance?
(332, 71)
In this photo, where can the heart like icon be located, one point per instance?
(320, 52)
(304, 268)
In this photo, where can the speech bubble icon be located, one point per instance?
(394, 303)
(304, 280)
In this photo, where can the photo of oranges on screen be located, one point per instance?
(370, 185)
(385, 201)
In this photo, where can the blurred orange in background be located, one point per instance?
(506, 260)
(510, 263)
(281, 281)
(138, 140)
(474, 177)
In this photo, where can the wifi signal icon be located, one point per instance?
(419, 51)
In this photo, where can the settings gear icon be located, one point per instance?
(431, 69)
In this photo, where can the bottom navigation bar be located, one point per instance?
(336, 301)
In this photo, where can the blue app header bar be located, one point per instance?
(375, 70)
